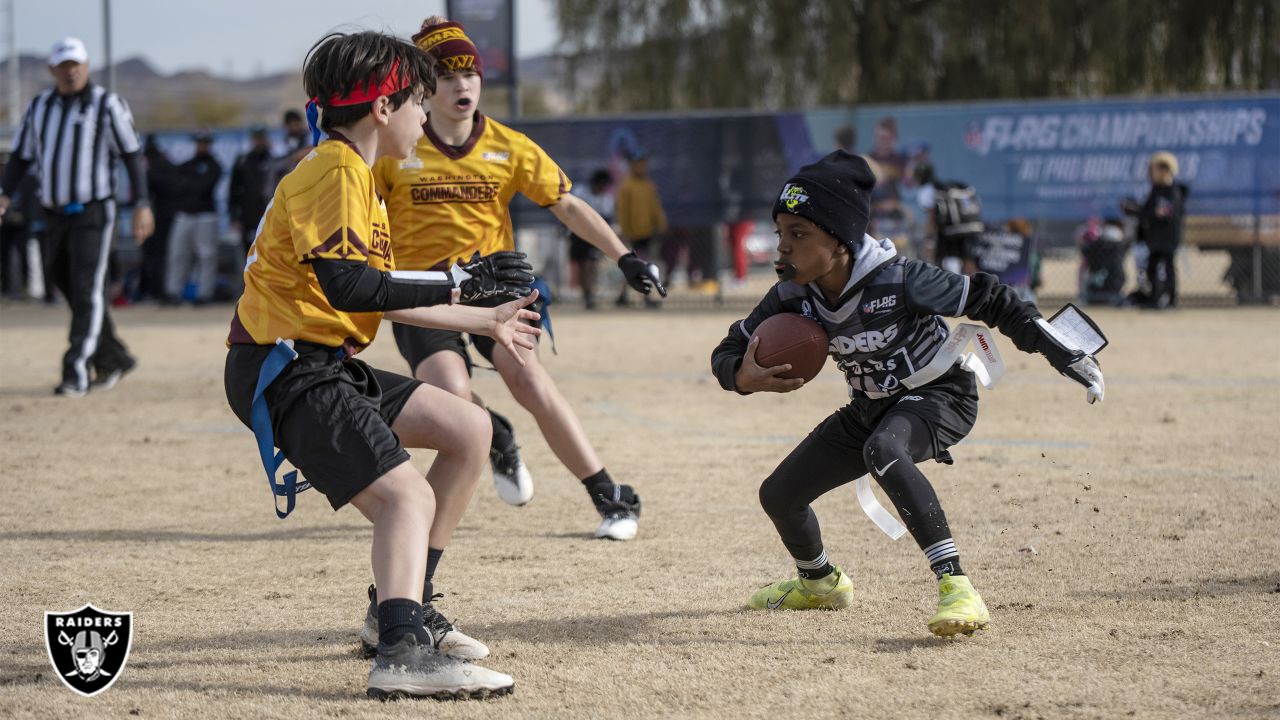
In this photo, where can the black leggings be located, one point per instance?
(816, 467)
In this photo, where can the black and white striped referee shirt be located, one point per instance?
(75, 141)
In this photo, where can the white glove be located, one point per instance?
(1085, 371)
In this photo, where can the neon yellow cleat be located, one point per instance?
(960, 608)
(799, 594)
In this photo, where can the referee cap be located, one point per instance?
(68, 49)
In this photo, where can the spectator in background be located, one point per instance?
(162, 181)
(17, 228)
(193, 242)
(1102, 251)
(583, 254)
(251, 186)
(297, 143)
(640, 215)
(890, 166)
(846, 137)
(1160, 221)
(1009, 254)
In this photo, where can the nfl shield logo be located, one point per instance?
(88, 647)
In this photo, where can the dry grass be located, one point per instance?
(1154, 590)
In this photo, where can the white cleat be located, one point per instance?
(619, 513)
(513, 484)
(622, 527)
(410, 670)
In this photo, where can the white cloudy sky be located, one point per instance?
(237, 37)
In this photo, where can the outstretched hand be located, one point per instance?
(1085, 370)
(511, 326)
(640, 275)
(753, 378)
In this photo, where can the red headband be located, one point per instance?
(371, 91)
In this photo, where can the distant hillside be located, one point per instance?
(197, 98)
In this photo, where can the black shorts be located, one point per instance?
(581, 250)
(330, 416)
(948, 405)
(418, 343)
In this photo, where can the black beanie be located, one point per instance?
(834, 194)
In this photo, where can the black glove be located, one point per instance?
(640, 275)
(505, 275)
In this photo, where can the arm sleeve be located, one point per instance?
(352, 286)
(539, 178)
(136, 169)
(727, 357)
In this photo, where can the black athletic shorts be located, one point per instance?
(330, 416)
(418, 343)
(948, 405)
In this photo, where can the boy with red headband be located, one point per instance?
(448, 200)
(319, 278)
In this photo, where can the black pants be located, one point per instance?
(79, 248)
(13, 259)
(885, 437)
(1163, 276)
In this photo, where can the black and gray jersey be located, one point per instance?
(75, 140)
(888, 322)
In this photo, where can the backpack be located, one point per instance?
(957, 210)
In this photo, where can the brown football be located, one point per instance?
(791, 338)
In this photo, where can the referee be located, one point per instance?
(73, 134)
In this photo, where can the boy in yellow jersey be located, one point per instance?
(319, 278)
(450, 199)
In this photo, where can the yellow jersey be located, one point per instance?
(327, 208)
(447, 203)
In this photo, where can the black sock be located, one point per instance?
(599, 485)
(943, 558)
(816, 568)
(399, 617)
(433, 559)
(503, 437)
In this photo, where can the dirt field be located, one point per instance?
(1153, 591)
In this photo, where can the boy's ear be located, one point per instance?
(381, 110)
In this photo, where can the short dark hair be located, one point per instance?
(601, 177)
(846, 137)
(292, 116)
(340, 63)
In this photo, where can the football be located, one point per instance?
(792, 338)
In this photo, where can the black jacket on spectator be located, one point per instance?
(250, 189)
(196, 179)
(1161, 217)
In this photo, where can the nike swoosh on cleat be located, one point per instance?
(774, 605)
(881, 471)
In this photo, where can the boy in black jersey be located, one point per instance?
(912, 396)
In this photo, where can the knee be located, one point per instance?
(774, 497)
(475, 430)
(882, 449)
(529, 386)
(414, 496)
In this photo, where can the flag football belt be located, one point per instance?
(1070, 326)
(260, 420)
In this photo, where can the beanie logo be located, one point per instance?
(458, 63)
(792, 195)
